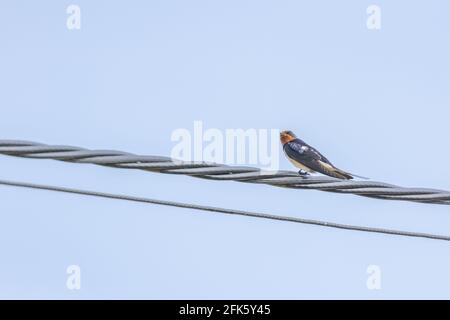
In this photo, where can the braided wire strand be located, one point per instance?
(214, 171)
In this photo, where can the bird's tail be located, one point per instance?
(346, 175)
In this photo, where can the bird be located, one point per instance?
(308, 159)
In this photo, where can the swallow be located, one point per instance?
(308, 159)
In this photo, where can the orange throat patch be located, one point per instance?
(286, 138)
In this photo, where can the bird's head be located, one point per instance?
(287, 136)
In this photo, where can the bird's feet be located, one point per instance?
(303, 173)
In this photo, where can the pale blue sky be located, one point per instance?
(375, 102)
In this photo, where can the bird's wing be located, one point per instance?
(301, 152)
(329, 170)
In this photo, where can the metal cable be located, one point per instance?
(286, 179)
(223, 210)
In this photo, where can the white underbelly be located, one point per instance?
(300, 166)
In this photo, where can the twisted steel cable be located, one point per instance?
(319, 223)
(213, 171)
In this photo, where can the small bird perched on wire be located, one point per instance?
(308, 159)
